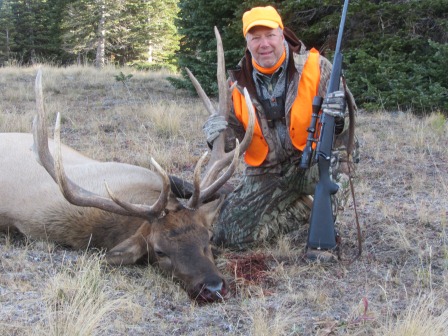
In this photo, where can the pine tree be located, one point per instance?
(162, 39)
(29, 30)
(148, 36)
(87, 26)
(7, 31)
(55, 14)
(396, 59)
(122, 31)
(27, 24)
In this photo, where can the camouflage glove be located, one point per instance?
(214, 125)
(334, 104)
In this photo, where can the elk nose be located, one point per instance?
(214, 287)
(212, 291)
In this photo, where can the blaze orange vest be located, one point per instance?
(300, 116)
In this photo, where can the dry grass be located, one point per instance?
(398, 287)
(423, 317)
(77, 300)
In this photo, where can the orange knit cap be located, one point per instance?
(261, 16)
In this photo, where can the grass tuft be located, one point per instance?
(77, 299)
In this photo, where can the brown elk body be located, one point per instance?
(127, 210)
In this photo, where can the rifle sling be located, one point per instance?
(350, 147)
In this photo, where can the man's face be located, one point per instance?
(265, 45)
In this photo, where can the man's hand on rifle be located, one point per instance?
(214, 125)
(334, 104)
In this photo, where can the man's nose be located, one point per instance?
(264, 42)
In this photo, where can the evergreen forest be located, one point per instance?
(395, 52)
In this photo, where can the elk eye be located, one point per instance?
(160, 254)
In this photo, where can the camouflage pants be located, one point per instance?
(262, 207)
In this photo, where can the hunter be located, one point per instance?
(282, 78)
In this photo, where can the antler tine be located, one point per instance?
(219, 159)
(71, 191)
(223, 88)
(193, 202)
(147, 211)
(224, 107)
(40, 133)
(223, 159)
(207, 103)
(214, 187)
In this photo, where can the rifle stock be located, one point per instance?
(321, 234)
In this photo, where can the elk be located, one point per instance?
(129, 211)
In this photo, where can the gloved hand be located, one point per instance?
(214, 125)
(334, 104)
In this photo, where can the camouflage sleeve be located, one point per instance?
(325, 73)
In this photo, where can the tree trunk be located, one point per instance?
(7, 46)
(100, 51)
(149, 60)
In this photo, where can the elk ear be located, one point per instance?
(210, 211)
(132, 249)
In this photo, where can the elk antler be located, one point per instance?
(73, 192)
(219, 158)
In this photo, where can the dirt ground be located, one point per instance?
(399, 286)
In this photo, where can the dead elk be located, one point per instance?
(127, 210)
(164, 233)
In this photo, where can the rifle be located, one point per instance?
(321, 234)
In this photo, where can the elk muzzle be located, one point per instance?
(214, 288)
